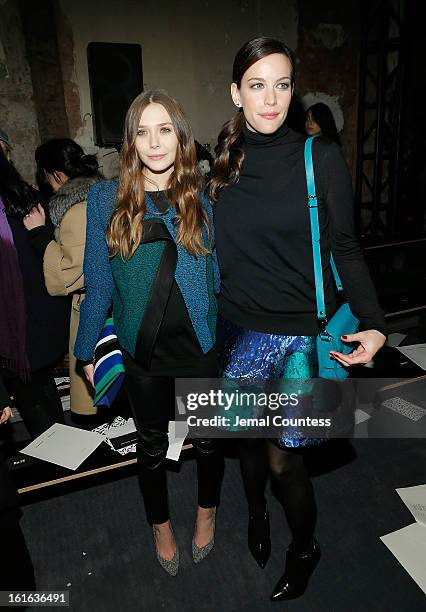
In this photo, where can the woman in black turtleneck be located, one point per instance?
(268, 325)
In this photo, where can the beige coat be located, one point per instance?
(63, 274)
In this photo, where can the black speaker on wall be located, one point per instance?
(115, 77)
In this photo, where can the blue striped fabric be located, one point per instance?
(109, 366)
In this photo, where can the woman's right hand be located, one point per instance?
(89, 370)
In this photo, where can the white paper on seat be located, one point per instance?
(415, 500)
(408, 545)
(122, 429)
(64, 445)
(415, 352)
(178, 430)
(395, 339)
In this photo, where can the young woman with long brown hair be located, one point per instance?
(149, 254)
(267, 324)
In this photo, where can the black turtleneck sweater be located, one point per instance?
(263, 238)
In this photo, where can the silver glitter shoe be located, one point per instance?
(171, 566)
(198, 554)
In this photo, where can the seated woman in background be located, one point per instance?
(149, 255)
(33, 325)
(61, 162)
(320, 120)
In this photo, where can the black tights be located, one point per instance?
(255, 472)
(294, 484)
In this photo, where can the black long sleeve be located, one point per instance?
(263, 238)
(40, 237)
(347, 253)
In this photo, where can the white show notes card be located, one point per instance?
(415, 500)
(408, 545)
(178, 430)
(64, 445)
(415, 352)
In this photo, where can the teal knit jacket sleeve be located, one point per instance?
(98, 277)
(216, 273)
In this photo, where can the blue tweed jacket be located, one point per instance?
(107, 284)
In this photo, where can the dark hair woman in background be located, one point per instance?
(62, 164)
(320, 121)
(33, 325)
(267, 324)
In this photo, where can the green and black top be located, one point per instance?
(176, 349)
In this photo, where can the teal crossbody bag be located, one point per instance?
(343, 321)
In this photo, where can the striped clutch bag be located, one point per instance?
(109, 366)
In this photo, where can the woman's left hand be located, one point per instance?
(5, 415)
(35, 218)
(370, 341)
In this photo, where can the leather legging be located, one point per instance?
(152, 402)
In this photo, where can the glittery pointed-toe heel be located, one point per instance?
(171, 566)
(198, 554)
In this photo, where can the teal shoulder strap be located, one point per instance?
(315, 235)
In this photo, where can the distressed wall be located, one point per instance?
(187, 48)
(38, 19)
(17, 111)
(328, 51)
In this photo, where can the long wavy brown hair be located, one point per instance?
(229, 149)
(124, 231)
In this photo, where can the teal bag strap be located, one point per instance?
(336, 274)
(315, 235)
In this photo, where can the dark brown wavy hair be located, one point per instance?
(229, 149)
(124, 231)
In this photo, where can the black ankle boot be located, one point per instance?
(298, 570)
(259, 538)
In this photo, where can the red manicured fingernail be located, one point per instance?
(344, 337)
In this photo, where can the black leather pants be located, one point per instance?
(152, 401)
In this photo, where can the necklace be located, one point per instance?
(152, 182)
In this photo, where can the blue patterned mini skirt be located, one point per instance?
(255, 357)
